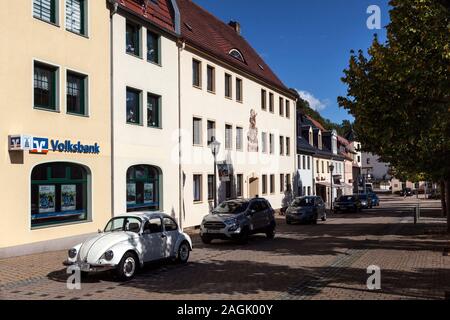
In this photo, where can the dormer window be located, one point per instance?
(237, 55)
(320, 140)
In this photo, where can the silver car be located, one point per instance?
(128, 242)
(238, 219)
(306, 210)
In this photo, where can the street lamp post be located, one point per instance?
(331, 189)
(215, 148)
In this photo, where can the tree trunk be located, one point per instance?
(447, 201)
(443, 199)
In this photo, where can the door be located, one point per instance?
(153, 240)
(264, 214)
(253, 188)
(171, 232)
(320, 208)
(259, 216)
(253, 217)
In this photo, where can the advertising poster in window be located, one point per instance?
(148, 193)
(131, 194)
(224, 171)
(68, 197)
(47, 199)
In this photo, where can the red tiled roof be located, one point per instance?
(206, 32)
(343, 141)
(316, 123)
(160, 13)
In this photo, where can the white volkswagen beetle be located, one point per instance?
(128, 242)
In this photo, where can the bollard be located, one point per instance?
(415, 215)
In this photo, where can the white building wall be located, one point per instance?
(214, 106)
(139, 144)
(305, 175)
(371, 164)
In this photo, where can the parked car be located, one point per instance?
(406, 192)
(238, 219)
(306, 209)
(366, 201)
(129, 241)
(375, 199)
(434, 194)
(347, 203)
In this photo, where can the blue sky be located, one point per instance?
(306, 43)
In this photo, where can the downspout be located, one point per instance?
(313, 179)
(180, 167)
(115, 6)
(180, 46)
(296, 172)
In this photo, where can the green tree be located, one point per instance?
(400, 94)
(341, 129)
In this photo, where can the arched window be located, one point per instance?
(237, 55)
(143, 188)
(59, 194)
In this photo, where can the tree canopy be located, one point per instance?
(400, 93)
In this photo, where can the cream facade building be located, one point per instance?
(54, 124)
(145, 112)
(202, 91)
(116, 104)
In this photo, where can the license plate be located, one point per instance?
(212, 231)
(85, 267)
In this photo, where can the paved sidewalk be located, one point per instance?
(327, 261)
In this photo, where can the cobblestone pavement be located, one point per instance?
(326, 261)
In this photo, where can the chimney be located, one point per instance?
(236, 26)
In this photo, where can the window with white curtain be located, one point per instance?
(75, 16)
(228, 136)
(197, 187)
(197, 131)
(239, 138)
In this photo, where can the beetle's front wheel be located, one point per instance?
(127, 267)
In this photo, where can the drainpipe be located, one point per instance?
(181, 45)
(180, 169)
(115, 6)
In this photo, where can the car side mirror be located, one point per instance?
(99, 231)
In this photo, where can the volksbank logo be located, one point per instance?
(42, 146)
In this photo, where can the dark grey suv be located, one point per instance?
(306, 209)
(238, 219)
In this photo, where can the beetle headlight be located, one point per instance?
(72, 253)
(109, 255)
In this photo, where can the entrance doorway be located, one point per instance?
(253, 187)
(321, 191)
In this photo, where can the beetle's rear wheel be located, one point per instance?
(183, 252)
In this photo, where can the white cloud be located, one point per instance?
(314, 103)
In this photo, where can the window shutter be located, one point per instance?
(44, 9)
(74, 15)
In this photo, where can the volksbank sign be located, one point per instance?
(68, 146)
(44, 145)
